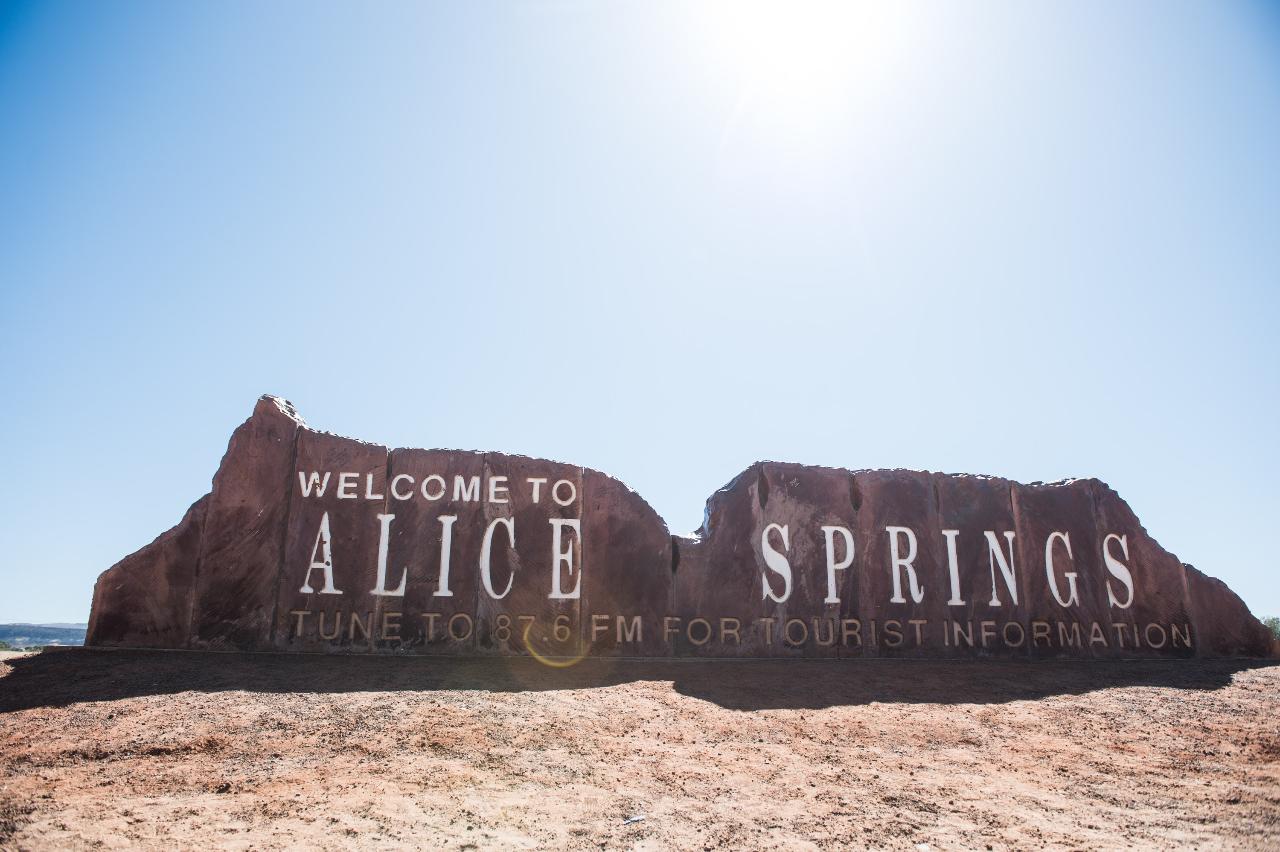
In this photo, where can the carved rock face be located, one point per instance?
(312, 542)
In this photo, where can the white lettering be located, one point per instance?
(438, 479)
(1118, 569)
(776, 562)
(496, 484)
(313, 481)
(953, 567)
(395, 492)
(564, 557)
(446, 548)
(1006, 568)
(323, 542)
(464, 489)
(537, 482)
(896, 561)
(555, 493)
(368, 488)
(380, 588)
(486, 545)
(1073, 595)
(347, 485)
(832, 565)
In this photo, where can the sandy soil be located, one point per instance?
(195, 750)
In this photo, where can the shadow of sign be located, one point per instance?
(65, 677)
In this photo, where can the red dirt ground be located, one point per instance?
(155, 749)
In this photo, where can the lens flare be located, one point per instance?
(802, 73)
(553, 662)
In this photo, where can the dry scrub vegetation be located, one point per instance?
(195, 750)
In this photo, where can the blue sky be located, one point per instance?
(663, 240)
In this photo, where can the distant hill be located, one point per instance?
(37, 635)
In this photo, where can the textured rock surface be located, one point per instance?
(243, 539)
(313, 542)
(144, 600)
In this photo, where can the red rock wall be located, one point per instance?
(266, 562)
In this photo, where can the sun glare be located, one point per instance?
(800, 68)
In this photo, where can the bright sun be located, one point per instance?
(799, 67)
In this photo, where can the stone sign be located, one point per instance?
(313, 542)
